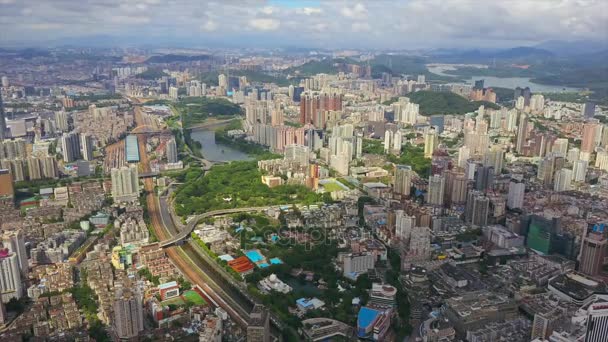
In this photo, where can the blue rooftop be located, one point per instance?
(131, 149)
(304, 302)
(254, 255)
(366, 317)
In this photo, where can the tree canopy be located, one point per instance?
(446, 103)
(239, 181)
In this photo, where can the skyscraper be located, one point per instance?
(404, 225)
(515, 197)
(523, 92)
(431, 141)
(481, 206)
(588, 110)
(86, 143)
(128, 313)
(546, 171)
(563, 180)
(579, 170)
(588, 144)
(6, 183)
(403, 180)
(459, 189)
(477, 207)
(15, 242)
(2, 121)
(484, 178)
(522, 133)
(494, 157)
(560, 146)
(34, 169)
(10, 276)
(70, 146)
(435, 195)
(597, 322)
(61, 121)
(173, 93)
(313, 106)
(172, 151)
(258, 329)
(463, 155)
(594, 248)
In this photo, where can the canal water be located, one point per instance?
(505, 82)
(214, 151)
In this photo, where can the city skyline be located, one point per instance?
(302, 23)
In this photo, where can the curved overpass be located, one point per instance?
(184, 233)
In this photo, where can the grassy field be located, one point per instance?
(194, 298)
(177, 301)
(332, 186)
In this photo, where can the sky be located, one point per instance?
(397, 24)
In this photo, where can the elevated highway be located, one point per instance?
(184, 233)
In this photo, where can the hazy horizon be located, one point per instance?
(398, 25)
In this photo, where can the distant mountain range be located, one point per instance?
(565, 48)
(570, 53)
(487, 56)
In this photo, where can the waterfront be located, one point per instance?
(214, 151)
(503, 82)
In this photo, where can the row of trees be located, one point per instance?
(236, 185)
(446, 103)
(197, 109)
(413, 155)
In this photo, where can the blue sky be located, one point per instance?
(410, 24)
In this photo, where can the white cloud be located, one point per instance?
(309, 10)
(357, 12)
(268, 10)
(45, 26)
(264, 24)
(339, 23)
(130, 20)
(361, 27)
(209, 26)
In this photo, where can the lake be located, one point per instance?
(213, 151)
(505, 82)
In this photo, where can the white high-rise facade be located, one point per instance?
(563, 180)
(404, 225)
(579, 170)
(125, 184)
(515, 197)
(128, 313)
(10, 276)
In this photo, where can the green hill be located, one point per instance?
(325, 66)
(446, 103)
(211, 77)
(198, 109)
(151, 74)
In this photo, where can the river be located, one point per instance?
(213, 151)
(503, 82)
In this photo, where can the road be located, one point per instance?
(114, 156)
(161, 224)
(184, 233)
(211, 123)
(189, 259)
